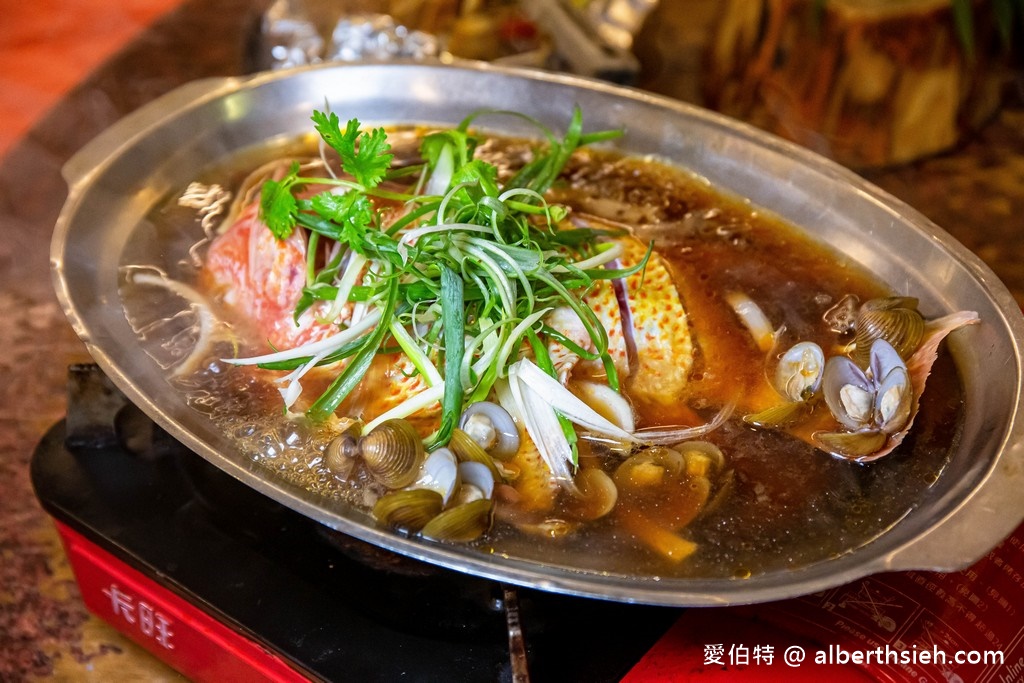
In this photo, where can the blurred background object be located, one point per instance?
(867, 82)
(89, 31)
(297, 32)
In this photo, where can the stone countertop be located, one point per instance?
(976, 193)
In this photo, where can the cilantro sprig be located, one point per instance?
(364, 154)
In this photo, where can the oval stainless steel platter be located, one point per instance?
(117, 180)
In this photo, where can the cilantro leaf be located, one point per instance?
(352, 212)
(364, 155)
(479, 172)
(278, 207)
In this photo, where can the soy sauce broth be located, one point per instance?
(790, 504)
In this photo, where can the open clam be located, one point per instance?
(798, 374)
(878, 398)
(492, 428)
(439, 473)
(878, 406)
(797, 379)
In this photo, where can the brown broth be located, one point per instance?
(788, 505)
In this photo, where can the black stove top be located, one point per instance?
(331, 606)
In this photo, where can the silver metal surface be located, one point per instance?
(119, 178)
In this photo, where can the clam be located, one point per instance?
(477, 476)
(879, 398)
(408, 509)
(492, 428)
(894, 393)
(596, 495)
(475, 483)
(798, 374)
(466, 449)
(607, 402)
(849, 393)
(852, 445)
(797, 378)
(393, 453)
(894, 401)
(462, 523)
(339, 457)
(342, 451)
(439, 473)
(702, 458)
(893, 319)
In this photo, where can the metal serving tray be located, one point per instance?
(119, 178)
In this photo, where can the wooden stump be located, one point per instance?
(867, 82)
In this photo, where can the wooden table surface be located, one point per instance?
(48, 47)
(69, 68)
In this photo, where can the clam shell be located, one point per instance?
(339, 456)
(894, 319)
(492, 428)
(409, 509)
(468, 450)
(894, 401)
(440, 473)
(779, 415)
(462, 523)
(850, 445)
(848, 392)
(393, 453)
(342, 451)
(884, 359)
(798, 374)
(477, 475)
(596, 497)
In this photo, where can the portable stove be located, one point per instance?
(223, 583)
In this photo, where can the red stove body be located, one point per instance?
(172, 628)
